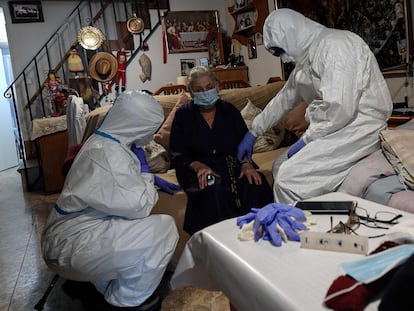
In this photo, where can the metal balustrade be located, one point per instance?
(29, 93)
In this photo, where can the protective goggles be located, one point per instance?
(275, 51)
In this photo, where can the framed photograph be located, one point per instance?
(26, 11)
(204, 61)
(258, 38)
(186, 31)
(252, 48)
(215, 45)
(246, 20)
(386, 26)
(186, 65)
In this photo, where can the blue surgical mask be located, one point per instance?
(206, 99)
(375, 266)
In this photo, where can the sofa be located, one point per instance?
(250, 101)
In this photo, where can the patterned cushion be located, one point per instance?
(269, 140)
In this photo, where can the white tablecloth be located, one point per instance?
(259, 276)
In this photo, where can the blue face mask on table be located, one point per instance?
(375, 266)
(206, 99)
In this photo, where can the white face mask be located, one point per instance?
(286, 58)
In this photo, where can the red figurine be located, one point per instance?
(121, 73)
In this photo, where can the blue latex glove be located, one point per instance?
(245, 147)
(242, 220)
(288, 217)
(139, 152)
(165, 185)
(296, 147)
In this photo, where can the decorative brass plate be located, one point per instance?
(135, 25)
(90, 37)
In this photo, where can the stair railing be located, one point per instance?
(28, 91)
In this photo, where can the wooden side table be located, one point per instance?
(396, 120)
(53, 150)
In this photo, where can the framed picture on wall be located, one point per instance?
(215, 45)
(26, 11)
(186, 31)
(386, 26)
(252, 48)
(186, 65)
(204, 61)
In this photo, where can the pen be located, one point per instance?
(331, 224)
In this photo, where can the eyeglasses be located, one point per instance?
(359, 216)
(381, 219)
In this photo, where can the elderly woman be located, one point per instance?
(204, 138)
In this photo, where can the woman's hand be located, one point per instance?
(250, 172)
(202, 171)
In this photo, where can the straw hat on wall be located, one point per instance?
(103, 66)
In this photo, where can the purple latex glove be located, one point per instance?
(245, 147)
(166, 186)
(242, 220)
(288, 217)
(296, 147)
(139, 152)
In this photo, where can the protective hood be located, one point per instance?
(134, 118)
(291, 31)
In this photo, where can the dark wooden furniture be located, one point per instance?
(231, 73)
(53, 149)
(249, 17)
(396, 120)
(233, 84)
(170, 89)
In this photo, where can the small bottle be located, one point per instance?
(210, 179)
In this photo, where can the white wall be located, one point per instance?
(26, 39)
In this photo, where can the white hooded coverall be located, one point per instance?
(101, 229)
(349, 103)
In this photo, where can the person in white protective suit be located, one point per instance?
(100, 229)
(349, 104)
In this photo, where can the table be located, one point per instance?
(396, 120)
(259, 276)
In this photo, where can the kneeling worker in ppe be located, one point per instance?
(100, 229)
(349, 104)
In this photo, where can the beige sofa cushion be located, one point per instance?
(295, 121)
(271, 139)
(260, 95)
(162, 137)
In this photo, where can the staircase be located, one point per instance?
(29, 92)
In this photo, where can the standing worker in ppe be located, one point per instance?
(349, 104)
(100, 229)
